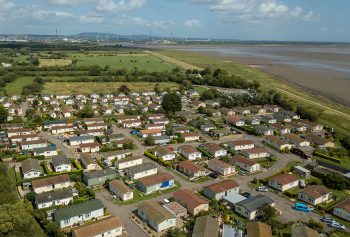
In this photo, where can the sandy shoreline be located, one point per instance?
(326, 83)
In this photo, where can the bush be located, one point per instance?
(327, 157)
(157, 159)
(77, 164)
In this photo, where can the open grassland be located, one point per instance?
(54, 62)
(142, 61)
(332, 114)
(15, 87)
(102, 87)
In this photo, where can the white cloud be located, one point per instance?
(45, 15)
(150, 24)
(119, 6)
(250, 11)
(6, 6)
(311, 16)
(91, 18)
(192, 23)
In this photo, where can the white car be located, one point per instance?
(336, 225)
(262, 189)
(166, 201)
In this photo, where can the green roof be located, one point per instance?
(77, 209)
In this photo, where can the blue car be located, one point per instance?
(302, 207)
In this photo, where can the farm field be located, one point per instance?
(102, 87)
(54, 62)
(15, 87)
(142, 61)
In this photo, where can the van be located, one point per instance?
(302, 207)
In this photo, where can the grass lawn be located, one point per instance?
(200, 89)
(266, 163)
(102, 87)
(54, 62)
(340, 234)
(139, 196)
(296, 94)
(15, 87)
(203, 179)
(118, 61)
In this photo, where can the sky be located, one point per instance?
(288, 20)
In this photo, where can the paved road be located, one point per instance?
(59, 144)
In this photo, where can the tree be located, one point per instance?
(156, 88)
(267, 212)
(335, 180)
(208, 95)
(3, 114)
(150, 141)
(95, 70)
(171, 102)
(123, 89)
(86, 112)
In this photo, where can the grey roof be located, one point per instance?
(43, 149)
(77, 209)
(162, 137)
(30, 164)
(53, 196)
(206, 226)
(228, 231)
(142, 168)
(81, 138)
(99, 173)
(234, 198)
(115, 153)
(60, 160)
(87, 158)
(256, 202)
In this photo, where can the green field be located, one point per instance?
(332, 114)
(118, 61)
(15, 87)
(102, 87)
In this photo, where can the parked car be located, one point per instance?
(214, 175)
(262, 189)
(242, 172)
(246, 195)
(166, 201)
(336, 225)
(302, 207)
(327, 219)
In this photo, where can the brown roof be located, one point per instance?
(120, 186)
(219, 163)
(98, 227)
(93, 144)
(315, 191)
(303, 231)
(243, 160)
(50, 181)
(344, 205)
(234, 118)
(32, 142)
(188, 165)
(294, 138)
(19, 130)
(155, 211)
(212, 147)
(256, 150)
(284, 179)
(190, 134)
(223, 185)
(189, 198)
(151, 131)
(258, 229)
(188, 149)
(206, 226)
(276, 140)
(156, 179)
(241, 142)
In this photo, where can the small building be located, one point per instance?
(233, 198)
(258, 229)
(78, 213)
(109, 156)
(302, 171)
(51, 183)
(176, 209)
(239, 145)
(191, 169)
(156, 182)
(128, 162)
(318, 141)
(191, 136)
(314, 195)
(304, 151)
(284, 182)
(108, 227)
(295, 140)
(342, 210)
(214, 149)
(163, 139)
(206, 226)
(166, 153)
(156, 216)
(250, 207)
(54, 198)
(31, 145)
(256, 152)
(303, 231)
(140, 171)
(98, 177)
(277, 143)
(263, 130)
(122, 191)
(151, 132)
(31, 168)
(221, 189)
(192, 202)
(88, 162)
(76, 141)
(61, 164)
(45, 151)
(89, 147)
(189, 152)
(245, 163)
(221, 167)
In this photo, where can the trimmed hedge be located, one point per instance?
(100, 162)
(157, 159)
(46, 168)
(324, 156)
(205, 153)
(20, 158)
(77, 164)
